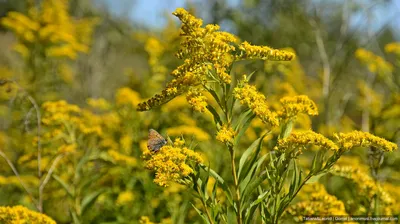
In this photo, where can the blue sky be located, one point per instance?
(153, 12)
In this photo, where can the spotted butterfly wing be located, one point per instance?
(156, 141)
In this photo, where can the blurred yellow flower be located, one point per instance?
(189, 131)
(125, 197)
(393, 48)
(121, 158)
(318, 203)
(374, 63)
(99, 103)
(145, 220)
(21, 215)
(126, 96)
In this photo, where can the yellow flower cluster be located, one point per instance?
(51, 25)
(353, 139)
(249, 51)
(375, 63)
(250, 97)
(21, 215)
(189, 131)
(300, 140)
(171, 164)
(59, 111)
(297, 104)
(197, 100)
(126, 96)
(393, 48)
(204, 45)
(206, 51)
(366, 186)
(226, 134)
(319, 203)
(69, 122)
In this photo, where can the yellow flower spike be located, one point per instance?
(171, 164)
(263, 52)
(250, 97)
(297, 104)
(363, 139)
(20, 214)
(226, 134)
(300, 140)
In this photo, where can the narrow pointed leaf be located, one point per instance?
(64, 185)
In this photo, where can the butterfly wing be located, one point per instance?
(156, 141)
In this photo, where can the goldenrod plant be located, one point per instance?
(239, 132)
(261, 186)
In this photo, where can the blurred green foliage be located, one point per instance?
(90, 168)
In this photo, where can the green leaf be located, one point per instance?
(64, 185)
(215, 95)
(286, 129)
(315, 178)
(242, 125)
(221, 181)
(295, 179)
(89, 200)
(251, 74)
(258, 180)
(215, 114)
(254, 147)
(204, 184)
(86, 182)
(253, 206)
(200, 213)
(317, 162)
(75, 217)
(243, 185)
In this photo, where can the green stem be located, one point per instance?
(205, 207)
(236, 184)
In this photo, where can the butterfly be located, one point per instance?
(156, 141)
